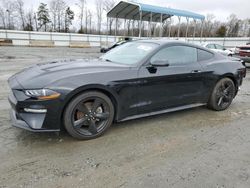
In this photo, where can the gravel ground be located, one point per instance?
(191, 148)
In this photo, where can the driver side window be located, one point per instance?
(176, 55)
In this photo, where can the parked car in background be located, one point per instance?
(218, 48)
(243, 51)
(134, 80)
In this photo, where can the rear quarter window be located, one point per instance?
(204, 55)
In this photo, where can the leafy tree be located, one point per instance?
(221, 32)
(69, 16)
(43, 16)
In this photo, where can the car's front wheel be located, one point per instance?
(222, 95)
(88, 115)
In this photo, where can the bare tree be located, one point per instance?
(86, 20)
(208, 24)
(90, 20)
(2, 17)
(57, 9)
(107, 5)
(81, 5)
(99, 14)
(36, 24)
(54, 12)
(233, 25)
(20, 11)
(8, 12)
(29, 18)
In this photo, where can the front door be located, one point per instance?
(176, 84)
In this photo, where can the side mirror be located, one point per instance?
(160, 63)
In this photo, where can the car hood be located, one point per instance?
(44, 74)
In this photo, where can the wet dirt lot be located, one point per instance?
(191, 148)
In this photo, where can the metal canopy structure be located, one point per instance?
(143, 12)
(131, 10)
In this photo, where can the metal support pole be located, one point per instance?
(148, 29)
(129, 26)
(133, 24)
(116, 26)
(150, 25)
(194, 28)
(107, 31)
(140, 24)
(169, 31)
(69, 39)
(202, 23)
(6, 34)
(187, 27)
(160, 34)
(179, 25)
(30, 37)
(124, 27)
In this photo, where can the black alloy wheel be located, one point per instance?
(222, 95)
(88, 115)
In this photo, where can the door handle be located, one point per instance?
(195, 71)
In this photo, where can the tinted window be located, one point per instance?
(204, 55)
(210, 46)
(176, 55)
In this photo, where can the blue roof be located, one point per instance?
(131, 10)
(174, 12)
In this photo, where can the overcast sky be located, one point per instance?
(220, 8)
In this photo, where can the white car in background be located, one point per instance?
(218, 48)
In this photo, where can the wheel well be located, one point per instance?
(234, 80)
(105, 92)
(226, 76)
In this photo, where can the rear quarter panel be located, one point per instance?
(221, 68)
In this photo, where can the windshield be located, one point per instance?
(129, 53)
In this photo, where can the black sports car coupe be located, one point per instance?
(134, 80)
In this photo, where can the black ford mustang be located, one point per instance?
(134, 80)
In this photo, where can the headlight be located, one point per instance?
(44, 94)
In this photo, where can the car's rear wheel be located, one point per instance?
(222, 95)
(88, 115)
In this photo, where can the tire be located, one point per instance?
(222, 95)
(88, 115)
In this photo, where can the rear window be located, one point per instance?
(204, 55)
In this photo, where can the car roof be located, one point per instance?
(163, 42)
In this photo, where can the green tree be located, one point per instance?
(221, 32)
(43, 16)
(69, 16)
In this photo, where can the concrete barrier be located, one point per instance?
(5, 42)
(78, 44)
(41, 43)
(50, 39)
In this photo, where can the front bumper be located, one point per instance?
(35, 122)
(23, 125)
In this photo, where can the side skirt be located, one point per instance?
(163, 111)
